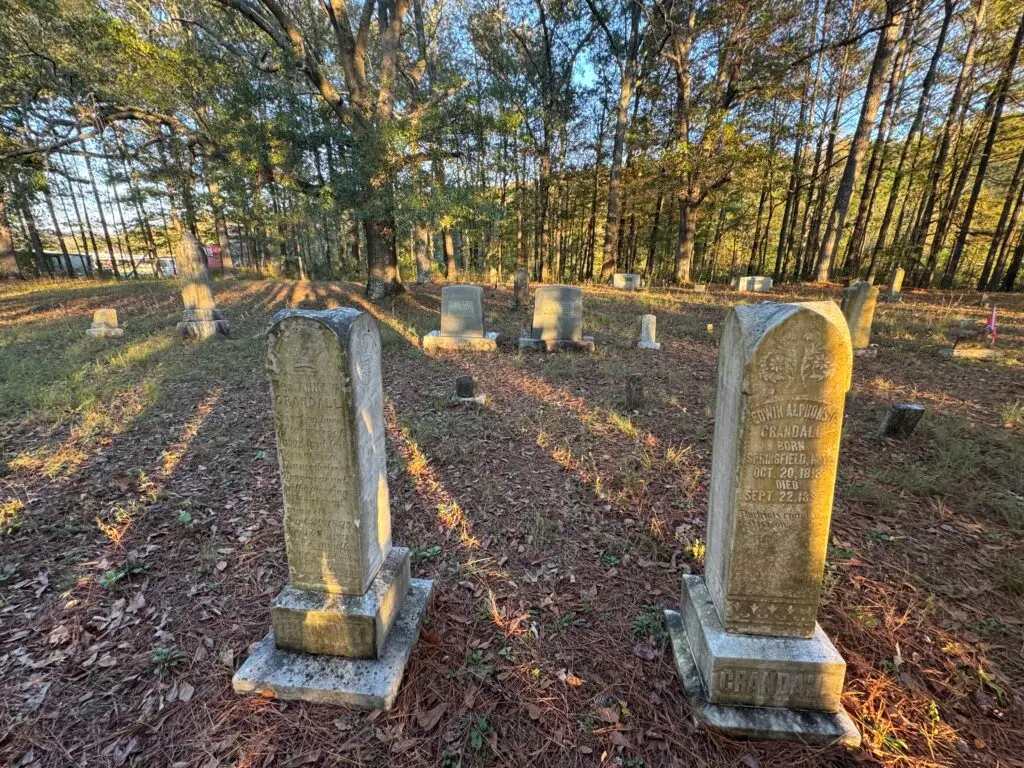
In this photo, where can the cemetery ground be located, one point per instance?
(141, 539)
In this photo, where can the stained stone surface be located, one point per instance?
(521, 288)
(648, 332)
(783, 374)
(626, 281)
(343, 625)
(754, 283)
(896, 283)
(634, 391)
(752, 722)
(104, 324)
(328, 411)
(492, 277)
(557, 321)
(858, 307)
(901, 419)
(462, 310)
(202, 319)
(465, 386)
(361, 683)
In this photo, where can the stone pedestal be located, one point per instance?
(557, 321)
(648, 332)
(462, 322)
(104, 324)
(201, 319)
(748, 630)
(345, 625)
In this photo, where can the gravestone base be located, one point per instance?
(586, 344)
(486, 343)
(891, 298)
(648, 345)
(359, 683)
(749, 663)
(973, 353)
(104, 332)
(202, 329)
(474, 400)
(868, 352)
(354, 626)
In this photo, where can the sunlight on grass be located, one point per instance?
(623, 424)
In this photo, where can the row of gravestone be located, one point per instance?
(751, 656)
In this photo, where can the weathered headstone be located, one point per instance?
(753, 283)
(521, 288)
(492, 277)
(626, 281)
(859, 301)
(104, 324)
(465, 391)
(345, 625)
(753, 660)
(648, 332)
(634, 391)
(462, 321)
(557, 321)
(901, 419)
(201, 319)
(896, 284)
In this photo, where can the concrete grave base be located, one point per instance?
(103, 332)
(475, 400)
(586, 344)
(648, 345)
(486, 343)
(360, 683)
(202, 329)
(746, 689)
(973, 353)
(868, 352)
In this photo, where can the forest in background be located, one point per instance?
(681, 139)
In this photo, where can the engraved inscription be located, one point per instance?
(770, 686)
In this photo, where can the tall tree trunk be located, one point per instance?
(57, 231)
(995, 110)
(1015, 263)
(1003, 230)
(124, 229)
(652, 243)
(869, 109)
(103, 221)
(29, 220)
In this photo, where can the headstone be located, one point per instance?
(648, 332)
(634, 391)
(104, 324)
(202, 319)
(345, 625)
(626, 281)
(522, 288)
(557, 320)
(753, 283)
(896, 284)
(901, 419)
(858, 307)
(462, 321)
(753, 660)
(493, 278)
(465, 391)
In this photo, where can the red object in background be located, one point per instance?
(213, 259)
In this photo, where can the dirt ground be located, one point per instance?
(141, 541)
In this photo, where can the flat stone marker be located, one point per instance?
(626, 281)
(557, 321)
(901, 419)
(462, 321)
(752, 658)
(753, 283)
(972, 353)
(648, 332)
(345, 625)
(521, 288)
(859, 301)
(202, 319)
(104, 324)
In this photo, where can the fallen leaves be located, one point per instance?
(428, 719)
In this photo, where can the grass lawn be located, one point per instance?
(141, 540)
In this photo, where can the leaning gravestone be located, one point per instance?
(896, 284)
(901, 419)
(752, 658)
(104, 324)
(626, 281)
(557, 321)
(462, 321)
(201, 319)
(858, 307)
(648, 332)
(345, 625)
(522, 288)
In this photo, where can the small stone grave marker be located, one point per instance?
(104, 324)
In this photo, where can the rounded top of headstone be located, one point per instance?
(791, 344)
(462, 288)
(338, 320)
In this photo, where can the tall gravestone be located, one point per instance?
(557, 321)
(521, 289)
(345, 625)
(462, 321)
(201, 318)
(896, 284)
(753, 660)
(859, 301)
